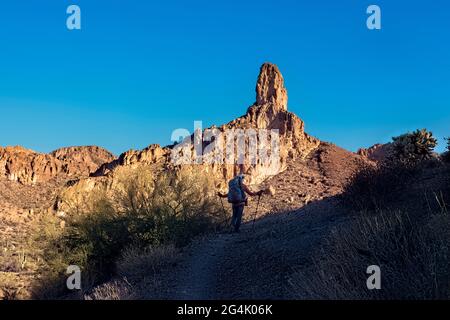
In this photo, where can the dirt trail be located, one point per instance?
(257, 263)
(197, 276)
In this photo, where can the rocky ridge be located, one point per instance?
(28, 167)
(375, 153)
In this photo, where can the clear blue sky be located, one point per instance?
(139, 69)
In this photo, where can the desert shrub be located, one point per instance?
(375, 187)
(144, 270)
(136, 264)
(13, 287)
(446, 187)
(141, 212)
(410, 148)
(114, 290)
(413, 258)
(446, 155)
(18, 259)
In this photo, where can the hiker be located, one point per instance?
(236, 196)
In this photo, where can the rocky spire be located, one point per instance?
(270, 87)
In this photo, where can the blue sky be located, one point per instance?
(140, 69)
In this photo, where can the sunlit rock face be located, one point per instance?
(377, 153)
(270, 88)
(28, 167)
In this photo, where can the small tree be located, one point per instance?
(412, 147)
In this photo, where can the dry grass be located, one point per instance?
(401, 224)
(139, 272)
(136, 264)
(114, 290)
(413, 259)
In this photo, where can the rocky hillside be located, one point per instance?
(305, 171)
(31, 181)
(29, 184)
(82, 161)
(269, 112)
(321, 175)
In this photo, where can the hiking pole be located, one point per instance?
(224, 212)
(256, 212)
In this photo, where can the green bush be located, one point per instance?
(410, 148)
(139, 212)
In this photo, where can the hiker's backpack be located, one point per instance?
(235, 192)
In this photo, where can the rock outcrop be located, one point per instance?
(270, 87)
(375, 153)
(270, 112)
(82, 161)
(28, 167)
(152, 154)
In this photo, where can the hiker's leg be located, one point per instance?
(233, 218)
(239, 213)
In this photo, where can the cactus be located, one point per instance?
(413, 147)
